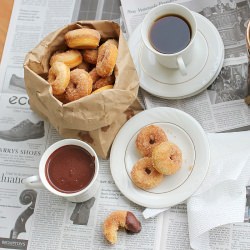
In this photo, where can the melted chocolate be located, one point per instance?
(132, 224)
(70, 169)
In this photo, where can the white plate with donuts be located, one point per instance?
(182, 130)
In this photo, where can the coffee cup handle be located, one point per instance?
(33, 182)
(181, 65)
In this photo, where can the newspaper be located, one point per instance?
(35, 219)
(226, 94)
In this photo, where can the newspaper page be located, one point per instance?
(34, 218)
(226, 94)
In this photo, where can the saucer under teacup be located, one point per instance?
(170, 83)
(162, 74)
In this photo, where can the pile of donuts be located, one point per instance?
(86, 67)
(159, 157)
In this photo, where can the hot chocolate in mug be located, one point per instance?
(169, 32)
(68, 168)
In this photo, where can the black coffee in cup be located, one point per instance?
(170, 34)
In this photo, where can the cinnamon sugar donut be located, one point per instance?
(103, 82)
(106, 60)
(90, 56)
(82, 38)
(58, 77)
(144, 175)
(167, 158)
(93, 74)
(83, 65)
(80, 85)
(117, 219)
(102, 89)
(71, 58)
(149, 137)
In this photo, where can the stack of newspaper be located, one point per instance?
(35, 219)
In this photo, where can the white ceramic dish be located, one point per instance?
(170, 83)
(181, 129)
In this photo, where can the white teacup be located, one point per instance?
(179, 59)
(42, 180)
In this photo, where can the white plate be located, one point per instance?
(181, 129)
(169, 83)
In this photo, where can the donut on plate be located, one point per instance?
(149, 137)
(144, 175)
(167, 158)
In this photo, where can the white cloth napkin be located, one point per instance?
(221, 197)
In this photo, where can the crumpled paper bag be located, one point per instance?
(96, 118)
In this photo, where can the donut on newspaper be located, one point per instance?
(80, 85)
(117, 219)
(167, 158)
(71, 58)
(58, 77)
(148, 138)
(106, 60)
(84, 38)
(144, 175)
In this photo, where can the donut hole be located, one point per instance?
(148, 171)
(151, 139)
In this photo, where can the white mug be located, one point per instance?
(40, 181)
(181, 58)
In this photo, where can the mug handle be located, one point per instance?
(33, 182)
(181, 65)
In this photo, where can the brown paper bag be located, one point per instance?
(96, 118)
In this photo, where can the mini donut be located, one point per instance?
(117, 219)
(59, 77)
(106, 60)
(167, 158)
(90, 56)
(102, 89)
(71, 58)
(103, 82)
(148, 138)
(93, 74)
(82, 38)
(113, 41)
(144, 175)
(83, 65)
(80, 85)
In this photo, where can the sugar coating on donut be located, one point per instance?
(106, 60)
(109, 80)
(144, 175)
(59, 77)
(84, 38)
(80, 85)
(167, 158)
(90, 56)
(120, 219)
(149, 137)
(71, 58)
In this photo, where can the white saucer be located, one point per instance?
(169, 83)
(181, 129)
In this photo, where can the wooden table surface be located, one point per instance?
(5, 13)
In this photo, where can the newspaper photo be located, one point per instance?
(35, 218)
